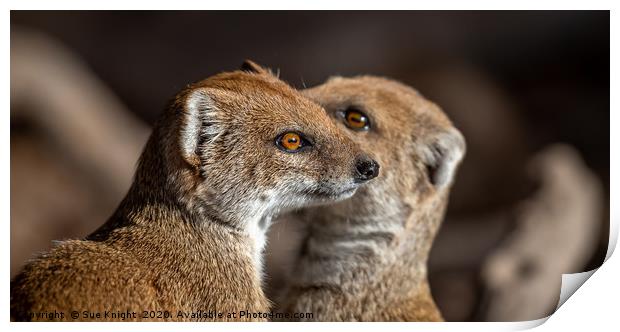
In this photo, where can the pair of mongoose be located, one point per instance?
(229, 154)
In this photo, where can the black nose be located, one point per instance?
(366, 169)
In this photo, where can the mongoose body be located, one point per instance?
(228, 154)
(365, 258)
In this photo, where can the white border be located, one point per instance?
(310, 5)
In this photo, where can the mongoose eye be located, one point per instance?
(291, 142)
(356, 120)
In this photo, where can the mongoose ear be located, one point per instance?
(200, 126)
(442, 155)
(253, 67)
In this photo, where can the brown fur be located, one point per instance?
(365, 258)
(187, 235)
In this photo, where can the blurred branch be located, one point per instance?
(556, 233)
(53, 88)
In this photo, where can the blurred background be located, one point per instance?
(529, 90)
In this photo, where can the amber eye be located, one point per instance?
(356, 120)
(291, 142)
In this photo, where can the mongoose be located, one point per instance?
(364, 259)
(228, 154)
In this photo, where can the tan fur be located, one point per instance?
(365, 258)
(187, 236)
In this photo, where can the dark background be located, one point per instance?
(513, 82)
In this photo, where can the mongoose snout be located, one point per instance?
(366, 168)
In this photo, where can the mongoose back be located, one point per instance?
(364, 259)
(228, 154)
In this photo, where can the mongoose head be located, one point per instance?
(416, 144)
(241, 146)
(373, 247)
